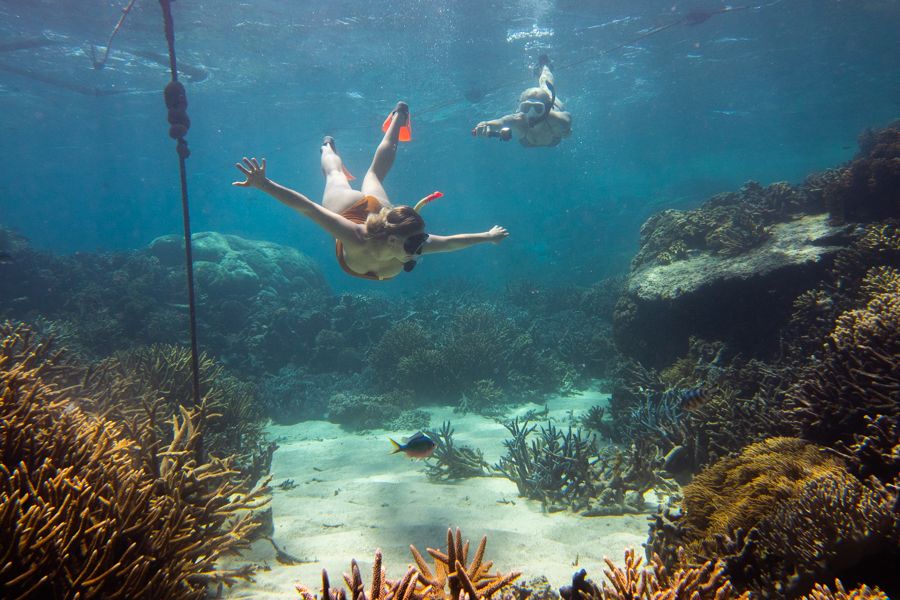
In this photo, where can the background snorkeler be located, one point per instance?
(540, 120)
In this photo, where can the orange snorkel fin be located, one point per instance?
(405, 130)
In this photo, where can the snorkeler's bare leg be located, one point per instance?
(338, 196)
(373, 182)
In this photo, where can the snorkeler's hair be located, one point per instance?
(535, 93)
(400, 220)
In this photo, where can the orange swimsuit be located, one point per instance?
(358, 213)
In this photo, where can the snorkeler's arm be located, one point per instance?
(561, 121)
(461, 241)
(336, 225)
(514, 121)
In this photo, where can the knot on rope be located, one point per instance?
(176, 102)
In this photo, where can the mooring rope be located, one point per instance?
(179, 123)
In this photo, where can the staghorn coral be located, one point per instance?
(555, 468)
(381, 588)
(863, 592)
(450, 461)
(88, 512)
(654, 582)
(148, 384)
(453, 577)
(858, 374)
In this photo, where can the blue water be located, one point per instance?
(771, 93)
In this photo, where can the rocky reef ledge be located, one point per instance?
(741, 298)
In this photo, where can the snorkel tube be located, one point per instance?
(411, 264)
(427, 199)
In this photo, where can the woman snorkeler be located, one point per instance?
(373, 238)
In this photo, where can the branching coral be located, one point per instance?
(858, 374)
(453, 577)
(835, 526)
(450, 461)
(88, 512)
(556, 468)
(147, 384)
(654, 582)
(863, 592)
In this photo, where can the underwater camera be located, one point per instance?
(504, 133)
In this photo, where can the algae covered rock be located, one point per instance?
(741, 298)
(228, 265)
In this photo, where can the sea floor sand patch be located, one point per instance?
(352, 496)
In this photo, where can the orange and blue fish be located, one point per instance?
(417, 446)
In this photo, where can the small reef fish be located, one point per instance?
(418, 446)
(693, 399)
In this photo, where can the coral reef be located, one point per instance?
(781, 517)
(556, 468)
(451, 461)
(834, 527)
(856, 379)
(147, 385)
(863, 592)
(724, 297)
(868, 189)
(90, 512)
(874, 250)
(736, 492)
(632, 582)
(479, 344)
(726, 225)
(453, 577)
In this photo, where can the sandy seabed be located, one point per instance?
(352, 496)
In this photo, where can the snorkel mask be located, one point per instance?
(414, 244)
(536, 110)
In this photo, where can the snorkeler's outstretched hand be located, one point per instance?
(497, 234)
(255, 172)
